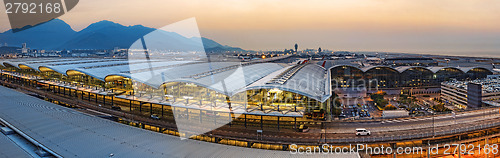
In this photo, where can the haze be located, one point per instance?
(416, 26)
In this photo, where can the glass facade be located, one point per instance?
(386, 77)
(382, 77)
(265, 100)
(478, 73)
(416, 77)
(347, 76)
(447, 74)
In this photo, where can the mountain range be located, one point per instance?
(58, 35)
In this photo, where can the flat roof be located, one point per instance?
(70, 133)
(409, 58)
(489, 85)
(10, 149)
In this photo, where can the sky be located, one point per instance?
(413, 26)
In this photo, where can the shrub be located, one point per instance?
(440, 108)
(378, 99)
(390, 107)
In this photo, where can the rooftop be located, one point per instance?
(70, 133)
(490, 85)
(228, 78)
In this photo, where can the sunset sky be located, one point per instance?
(417, 26)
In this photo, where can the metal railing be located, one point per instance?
(414, 136)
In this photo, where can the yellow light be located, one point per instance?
(275, 90)
(263, 57)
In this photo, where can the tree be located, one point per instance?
(390, 107)
(379, 100)
(440, 108)
(336, 111)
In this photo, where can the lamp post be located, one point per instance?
(433, 128)
(454, 117)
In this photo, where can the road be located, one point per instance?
(410, 124)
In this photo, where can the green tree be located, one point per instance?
(379, 100)
(440, 108)
(390, 107)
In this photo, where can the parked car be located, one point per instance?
(117, 108)
(303, 128)
(155, 116)
(362, 132)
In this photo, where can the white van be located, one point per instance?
(362, 132)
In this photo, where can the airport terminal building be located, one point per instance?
(248, 94)
(256, 93)
(400, 80)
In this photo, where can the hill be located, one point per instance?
(58, 35)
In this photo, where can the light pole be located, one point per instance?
(433, 128)
(454, 117)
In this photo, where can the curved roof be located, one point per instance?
(467, 69)
(66, 66)
(230, 78)
(402, 69)
(227, 82)
(28, 66)
(311, 80)
(34, 63)
(14, 64)
(352, 66)
(437, 69)
(366, 69)
(225, 77)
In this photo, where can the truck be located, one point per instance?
(395, 113)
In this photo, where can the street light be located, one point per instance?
(454, 117)
(433, 128)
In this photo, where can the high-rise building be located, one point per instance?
(24, 49)
(474, 94)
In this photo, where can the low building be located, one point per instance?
(411, 62)
(373, 60)
(470, 94)
(394, 114)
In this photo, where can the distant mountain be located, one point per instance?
(105, 35)
(56, 34)
(45, 36)
(212, 46)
